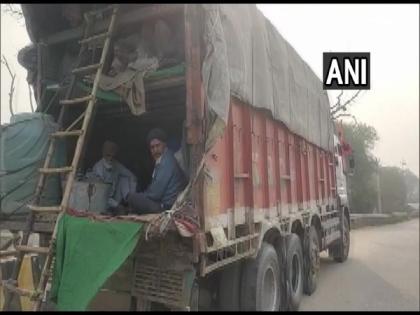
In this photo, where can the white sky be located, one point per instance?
(390, 32)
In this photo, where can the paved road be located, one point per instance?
(381, 273)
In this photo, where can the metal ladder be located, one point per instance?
(39, 295)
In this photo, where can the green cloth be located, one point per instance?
(113, 97)
(88, 252)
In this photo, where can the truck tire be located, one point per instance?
(311, 278)
(294, 258)
(229, 288)
(260, 281)
(340, 251)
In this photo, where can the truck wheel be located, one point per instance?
(229, 288)
(294, 259)
(340, 252)
(314, 263)
(260, 285)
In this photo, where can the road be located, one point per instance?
(381, 273)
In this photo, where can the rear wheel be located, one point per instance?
(260, 286)
(340, 252)
(229, 288)
(314, 263)
(294, 271)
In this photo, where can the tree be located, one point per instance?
(13, 10)
(362, 185)
(412, 185)
(12, 84)
(393, 189)
(339, 109)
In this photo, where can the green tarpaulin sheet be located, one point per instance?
(88, 252)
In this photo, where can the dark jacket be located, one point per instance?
(167, 182)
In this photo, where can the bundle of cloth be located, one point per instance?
(156, 46)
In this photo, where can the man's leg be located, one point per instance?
(143, 205)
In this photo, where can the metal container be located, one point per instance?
(89, 196)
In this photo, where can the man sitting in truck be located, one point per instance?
(109, 170)
(168, 180)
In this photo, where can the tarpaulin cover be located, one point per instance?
(246, 57)
(88, 252)
(23, 147)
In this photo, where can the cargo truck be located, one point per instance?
(267, 182)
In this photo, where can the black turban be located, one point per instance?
(156, 133)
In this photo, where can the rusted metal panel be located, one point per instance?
(241, 174)
(272, 164)
(311, 172)
(305, 152)
(292, 169)
(259, 161)
(284, 169)
(323, 178)
(229, 177)
(215, 187)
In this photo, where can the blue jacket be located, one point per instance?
(167, 182)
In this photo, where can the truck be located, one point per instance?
(267, 178)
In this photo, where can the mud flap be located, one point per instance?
(306, 254)
(286, 289)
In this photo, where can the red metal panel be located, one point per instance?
(292, 168)
(215, 187)
(299, 171)
(277, 162)
(259, 161)
(304, 173)
(229, 157)
(316, 175)
(272, 162)
(284, 166)
(240, 171)
(249, 186)
(329, 165)
(324, 164)
(311, 172)
(333, 176)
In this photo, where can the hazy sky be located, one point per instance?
(389, 32)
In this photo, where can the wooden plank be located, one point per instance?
(8, 253)
(76, 100)
(164, 83)
(59, 134)
(56, 170)
(38, 227)
(31, 249)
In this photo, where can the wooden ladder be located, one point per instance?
(10, 285)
